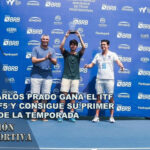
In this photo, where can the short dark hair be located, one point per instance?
(107, 41)
(75, 42)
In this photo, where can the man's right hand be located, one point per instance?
(48, 56)
(86, 66)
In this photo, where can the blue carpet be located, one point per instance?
(85, 134)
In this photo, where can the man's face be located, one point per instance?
(73, 47)
(45, 41)
(104, 46)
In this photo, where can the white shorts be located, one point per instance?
(69, 84)
(104, 86)
(41, 86)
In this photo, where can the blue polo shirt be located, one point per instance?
(42, 69)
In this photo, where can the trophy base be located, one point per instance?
(72, 32)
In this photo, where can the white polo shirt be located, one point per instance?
(105, 65)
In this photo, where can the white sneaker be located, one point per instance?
(95, 119)
(112, 120)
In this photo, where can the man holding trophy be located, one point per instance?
(71, 74)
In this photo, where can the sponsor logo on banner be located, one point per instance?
(57, 31)
(81, 84)
(143, 84)
(143, 108)
(125, 71)
(27, 80)
(127, 8)
(29, 68)
(143, 96)
(13, 2)
(57, 66)
(81, 30)
(56, 69)
(58, 20)
(145, 59)
(6, 67)
(8, 42)
(83, 70)
(11, 54)
(121, 83)
(56, 43)
(144, 36)
(78, 21)
(35, 19)
(34, 31)
(124, 35)
(144, 10)
(11, 30)
(108, 7)
(141, 25)
(124, 24)
(80, 46)
(102, 22)
(9, 80)
(28, 55)
(125, 59)
(124, 95)
(142, 72)
(59, 55)
(123, 108)
(56, 91)
(5, 91)
(144, 48)
(124, 46)
(49, 3)
(56, 81)
(102, 33)
(34, 42)
(8, 18)
(33, 3)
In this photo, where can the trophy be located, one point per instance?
(72, 26)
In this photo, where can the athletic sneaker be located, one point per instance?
(95, 119)
(111, 119)
(60, 119)
(34, 119)
(72, 119)
(44, 119)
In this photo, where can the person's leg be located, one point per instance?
(98, 101)
(74, 88)
(35, 89)
(110, 90)
(46, 89)
(65, 86)
(99, 90)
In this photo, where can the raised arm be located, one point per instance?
(82, 42)
(63, 42)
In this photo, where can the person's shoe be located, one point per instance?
(112, 120)
(44, 119)
(72, 119)
(95, 119)
(60, 119)
(33, 119)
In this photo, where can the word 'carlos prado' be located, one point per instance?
(54, 96)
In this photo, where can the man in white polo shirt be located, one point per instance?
(105, 75)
